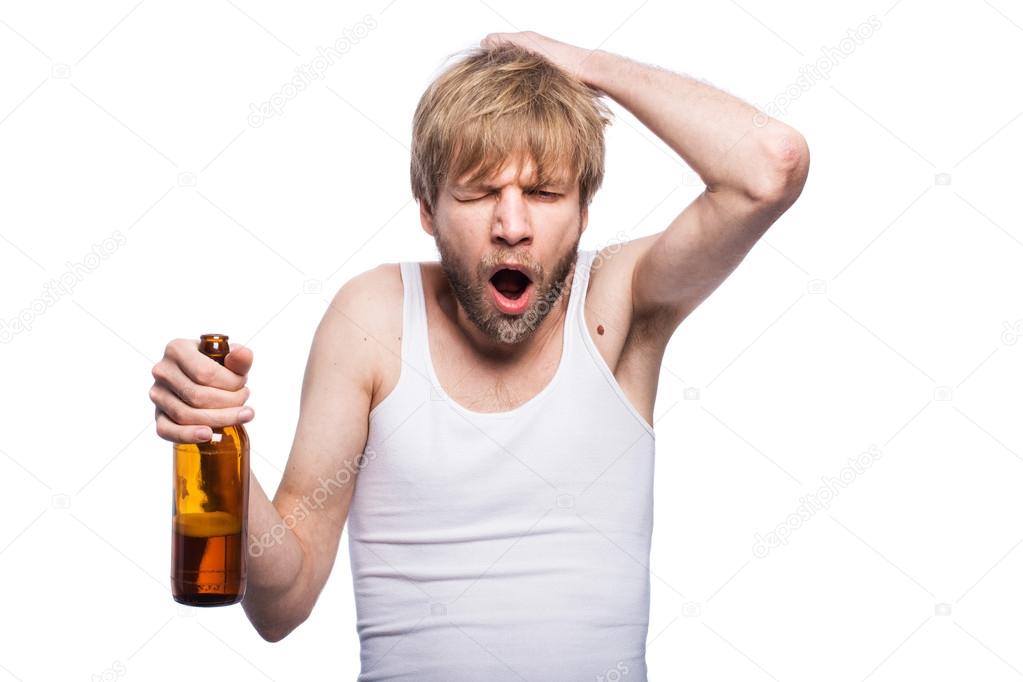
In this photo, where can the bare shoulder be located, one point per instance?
(609, 299)
(362, 324)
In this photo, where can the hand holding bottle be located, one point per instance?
(193, 393)
(211, 473)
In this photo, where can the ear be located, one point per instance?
(584, 215)
(425, 217)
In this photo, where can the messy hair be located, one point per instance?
(503, 103)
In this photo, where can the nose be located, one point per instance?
(511, 222)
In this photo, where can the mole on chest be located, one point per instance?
(600, 329)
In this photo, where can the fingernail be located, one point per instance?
(203, 434)
(245, 414)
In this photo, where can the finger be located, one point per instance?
(239, 360)
(196, 395)
(176, 433)
(202, 369)
(184, 415)
(491, 40)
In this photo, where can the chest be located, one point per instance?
(482, 385)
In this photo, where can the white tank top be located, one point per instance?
(510, 545)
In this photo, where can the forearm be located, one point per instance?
(728, 142)
(275, 600)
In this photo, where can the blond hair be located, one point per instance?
(501, 103)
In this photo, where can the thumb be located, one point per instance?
(239, 360)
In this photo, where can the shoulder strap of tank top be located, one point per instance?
(413, 315)
(573, 316)
(580, 280)
(415, 341)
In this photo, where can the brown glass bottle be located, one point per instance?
(210, 510)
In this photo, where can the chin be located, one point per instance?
(507, 304)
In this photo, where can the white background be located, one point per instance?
(883, 310)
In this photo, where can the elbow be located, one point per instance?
(273, 636)
(273, 628)
(275, 632)
(782, 173)
(275, 612)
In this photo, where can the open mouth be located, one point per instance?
(511, 290)
(511, 283)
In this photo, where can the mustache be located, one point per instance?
(533, 269)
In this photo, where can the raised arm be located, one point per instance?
(754, 167)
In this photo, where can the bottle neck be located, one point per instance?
(214, 346)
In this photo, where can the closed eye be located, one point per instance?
(541, 193)
(547, 195)
(466, 201)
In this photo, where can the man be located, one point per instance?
(494, 410)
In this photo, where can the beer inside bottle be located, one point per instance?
(210, 510)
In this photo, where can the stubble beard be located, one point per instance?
(471, 291)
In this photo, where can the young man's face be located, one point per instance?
(502, 221)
